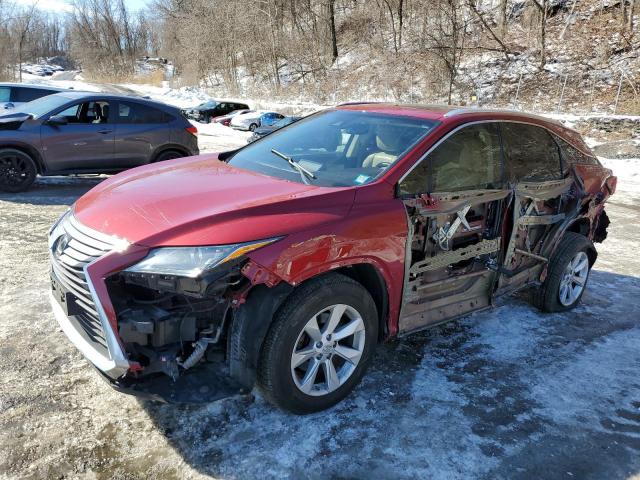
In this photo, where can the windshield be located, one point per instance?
(44, 105)
(341, 148)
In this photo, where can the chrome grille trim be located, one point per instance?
(90, 330)
(69, 269)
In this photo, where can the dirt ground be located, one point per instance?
(507, 393)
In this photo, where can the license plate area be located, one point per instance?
(65, 299)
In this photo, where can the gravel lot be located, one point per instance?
(508, 393)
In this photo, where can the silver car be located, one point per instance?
(13, 95)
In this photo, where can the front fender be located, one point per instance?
(375, 236)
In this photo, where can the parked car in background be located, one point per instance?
(226, 119)
(80, 132)
(252, 120)
(13, 95)
(41, 69)
(267, 129)
(207, 111)
(286, 262)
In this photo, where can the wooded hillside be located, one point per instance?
(556, 54)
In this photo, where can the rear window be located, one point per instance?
(573, 156)
(136, 113)
(531, 153)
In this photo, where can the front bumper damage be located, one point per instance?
(140, 339)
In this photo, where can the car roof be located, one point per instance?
(442, 112)
(34, 86)
(451, 114)
(79, 95)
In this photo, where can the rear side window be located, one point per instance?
(136, 113)
(24, 95)
(470, 159)
(573, 156)
(5, 94)
(532, 155)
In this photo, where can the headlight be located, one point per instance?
(192, 261)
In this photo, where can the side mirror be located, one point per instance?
(8, 106)
(57, 120)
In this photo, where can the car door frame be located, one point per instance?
(510, 192)
(74, 164)
(526, 216)
(457, 295)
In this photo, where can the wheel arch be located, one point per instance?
(171, 147)
(29, 150)
(251, 321)
(372, 280)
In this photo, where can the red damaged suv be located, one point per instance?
(284, 263)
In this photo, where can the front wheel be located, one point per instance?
(252, 127)
(17, 170)
(567, 276)
(319, 346)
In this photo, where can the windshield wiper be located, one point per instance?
(299, 168)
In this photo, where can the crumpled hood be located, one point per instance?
(203, 201)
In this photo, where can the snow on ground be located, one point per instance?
(508, 393)
(214, 137)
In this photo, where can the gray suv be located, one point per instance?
(80, 132)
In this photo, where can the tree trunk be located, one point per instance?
(543, 33)
(400, 6)
(503, 19)
(332, 26)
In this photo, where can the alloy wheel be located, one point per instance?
(328, 350)
(14, 170)
(574, 279)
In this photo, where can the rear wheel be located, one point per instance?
(319, 345)
(17, 170)
(168, 155)
(567, 276)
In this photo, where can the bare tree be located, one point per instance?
(23, 27)
(543, 12)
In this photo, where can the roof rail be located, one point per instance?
(460, 111)
(357, 103)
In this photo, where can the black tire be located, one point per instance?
(547, 297)
(17, 170)
(253, 127)
(275, 378)
(168, 155)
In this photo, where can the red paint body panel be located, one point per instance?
(202, 201)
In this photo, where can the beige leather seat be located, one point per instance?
(461, 168)
(389, 141)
